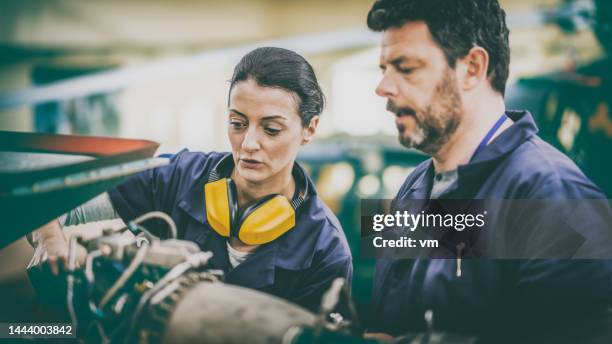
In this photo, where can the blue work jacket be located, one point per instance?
(514, 301)
(298, 266)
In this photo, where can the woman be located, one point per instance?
(291, 245)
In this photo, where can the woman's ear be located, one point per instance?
(311, 130)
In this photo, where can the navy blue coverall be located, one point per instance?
(541, 300)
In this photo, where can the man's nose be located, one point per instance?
(251, 140)
(387, 87)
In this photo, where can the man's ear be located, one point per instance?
(311, 130)
(474, 68)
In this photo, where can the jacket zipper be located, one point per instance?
(460, 248)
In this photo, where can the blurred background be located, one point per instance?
(158, 70)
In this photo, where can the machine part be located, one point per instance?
(141, 231)
(337, 295)
(95, 152)
(89, 275)
(158, 215)
(70, 280)
(194, 261)
(116, 244)
(125, 276)
(141, 240)
(167, 253)
(434, 338)
(155, 322)
(332, 296)
(162, 293)
(42, 175)
(220, 313)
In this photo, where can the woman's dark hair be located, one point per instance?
(456, 26)
(287, 70)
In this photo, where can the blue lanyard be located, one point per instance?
(490, 134)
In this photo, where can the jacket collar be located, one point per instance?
(521, 130)
(421, 188)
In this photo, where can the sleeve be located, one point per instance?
(319, 278)
(332, 259)
(569, 284)
(151, 190)
(573, 295)
(559, 220)
(97, 209)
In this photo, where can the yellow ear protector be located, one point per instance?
(261, 222)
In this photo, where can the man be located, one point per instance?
(444, 69)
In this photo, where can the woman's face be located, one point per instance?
(265, 131)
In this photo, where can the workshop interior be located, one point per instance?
(92, 92)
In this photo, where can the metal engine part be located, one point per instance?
(221, 313)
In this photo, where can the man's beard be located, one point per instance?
(436, 123)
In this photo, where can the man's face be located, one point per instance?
(420, 87)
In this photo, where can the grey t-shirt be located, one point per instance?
(97, 209)
(441, 182)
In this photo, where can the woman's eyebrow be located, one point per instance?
(267, 118)
(238, 113)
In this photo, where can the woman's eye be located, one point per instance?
(272, 131)
(406, 70)
(237, 125)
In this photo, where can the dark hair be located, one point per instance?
(287, 70)
(456, 26)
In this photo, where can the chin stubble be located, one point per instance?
(436, 124)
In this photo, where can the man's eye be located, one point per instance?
(406, 70)
(272, 131)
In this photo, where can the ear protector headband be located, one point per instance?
(261, 222)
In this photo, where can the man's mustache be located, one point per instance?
(399, 111)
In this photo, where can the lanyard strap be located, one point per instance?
(490, 134)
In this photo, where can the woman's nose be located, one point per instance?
(251, 140)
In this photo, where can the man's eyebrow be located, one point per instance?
(395, 62)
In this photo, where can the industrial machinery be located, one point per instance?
(133, 286)
(138, 288)
(43, 175)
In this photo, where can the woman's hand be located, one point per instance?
(50, 246)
